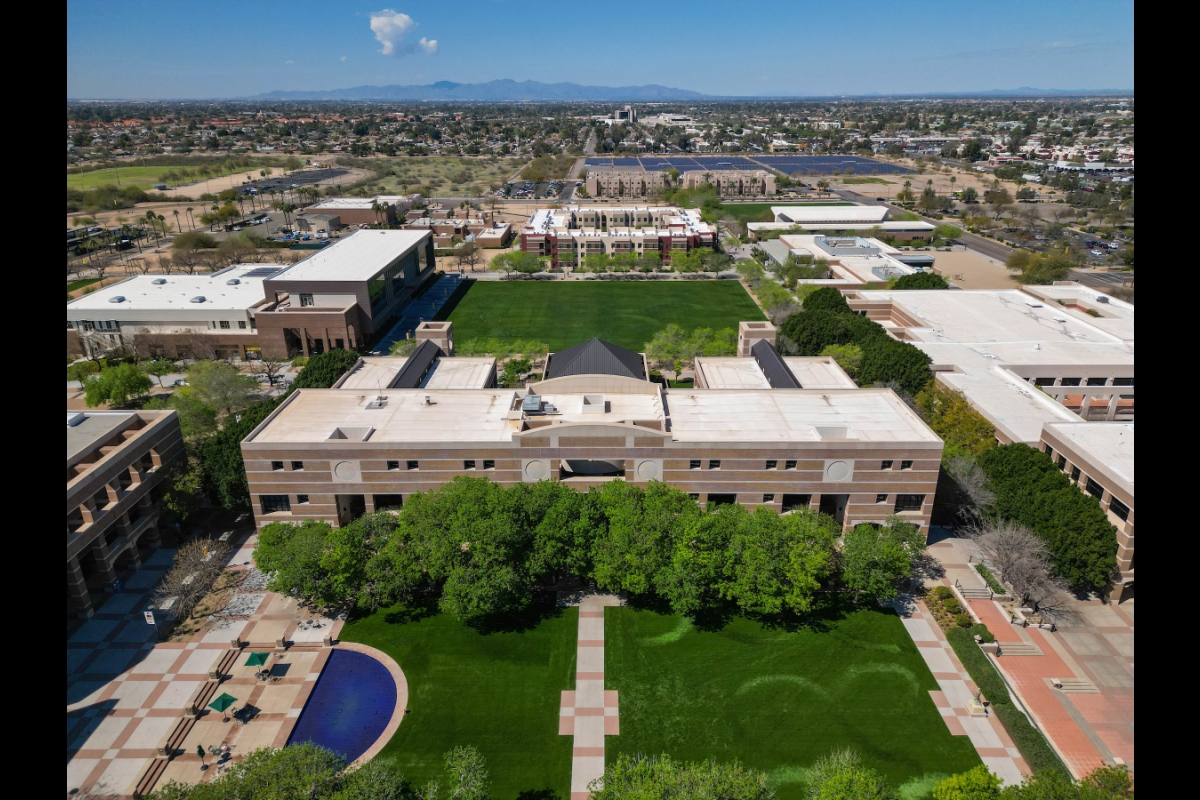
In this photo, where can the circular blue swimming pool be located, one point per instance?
(350, 706)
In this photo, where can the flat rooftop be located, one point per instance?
(815, 372)
(802, 214)
(91, 429)
(163, 292)
(980, 340)
(311, 416)
(887, 225)
(357, 257)
(1108, 445)
(374, 374)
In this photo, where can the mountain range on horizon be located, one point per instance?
(507, 90)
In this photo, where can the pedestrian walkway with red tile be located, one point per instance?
(127, 693)
(589, 713)
(955, 692)
(1089, 720)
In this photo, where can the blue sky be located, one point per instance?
(223, 49)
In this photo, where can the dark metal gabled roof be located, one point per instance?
(596, 357)
(773, 366)
(417, 366)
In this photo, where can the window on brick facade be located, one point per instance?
(274, 503)
(489, 463)
(393, 465)
(909, 502)
(772, 465)
(1118, 508)
(297, 465)
(1075, 472)
(714, 464)
(881, 498)
(276, 465)
(469, 464)
(768, 498)
(789, 465)
(1094, 489)
(906, 465)
(301, 499)
(694, 464)
(885, 465)
(414, 465)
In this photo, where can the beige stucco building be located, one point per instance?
(756, 433)
(639, 230)
(116, 462)
(635, 183)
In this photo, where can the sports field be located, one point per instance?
(778, 699)
(562, 313)
(141, 177)
(496, 690)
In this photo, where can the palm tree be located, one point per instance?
(162, 223)
(215, 209)
(191, 219)
(177, 225)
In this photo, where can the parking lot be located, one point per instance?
(534, 190)
(295, 179)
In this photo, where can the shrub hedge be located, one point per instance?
(1029, 740)
(978, 666)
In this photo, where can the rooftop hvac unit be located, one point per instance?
(159, 281)
(379, 402)
(232, 282)
(120, 298)
(197, 299)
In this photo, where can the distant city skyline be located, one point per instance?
(133, 49)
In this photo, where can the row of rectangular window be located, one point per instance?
(1080, 382)
(275, 503)
(1091, 485)
(773, 464)
(224, 324)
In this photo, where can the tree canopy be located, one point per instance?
(921, 280)
(115, 385)
(324, 369)
(650, 778)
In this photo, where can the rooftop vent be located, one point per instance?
(1032, 303)
(1100, 298)
(379, 402)
(197, 299)
(159, 281)
(75, 418)
(232, 282)
(593, 404)
(120, 298)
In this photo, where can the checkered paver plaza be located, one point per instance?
(589, 713)
(1089, 721)
(955, 690)
(126, 692)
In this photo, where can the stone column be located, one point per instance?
(104, 567)
(77, 591)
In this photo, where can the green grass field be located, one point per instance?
(141, 177)
(778, 700)
(561, 314)
(864, 180)
(497, 691)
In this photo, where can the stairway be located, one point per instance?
(1019, 649)
(975, 594)
(1074, 685)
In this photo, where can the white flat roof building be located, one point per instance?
(853, 260)
(887, 226)
(177, 302)
(376, 374)
(815, 372)
(1012, 353)
(800, 215)
(358, 257)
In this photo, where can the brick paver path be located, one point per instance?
(955, 690)
(589, 713)
(1086, 728)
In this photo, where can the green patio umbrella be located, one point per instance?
(223, 702)
(257, 659)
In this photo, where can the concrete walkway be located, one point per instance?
(955, 690)
(1090, 723)
(589, 713)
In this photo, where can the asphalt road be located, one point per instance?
(1104, 281)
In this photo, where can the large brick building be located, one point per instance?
(784, 433)
(116, 462)
(338, 297)
(638, 230)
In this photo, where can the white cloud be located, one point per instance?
(343, 58)
(391, 27)
(289, 62)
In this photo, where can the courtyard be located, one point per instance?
(560, 313)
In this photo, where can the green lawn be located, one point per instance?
(81, 283)
(778, 700)
(498, 691)
(852, 181)
(562, 313)
(141, 177)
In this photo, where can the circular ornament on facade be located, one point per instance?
(647, 470)
(345, 471)
(536, 470)
(838, 471)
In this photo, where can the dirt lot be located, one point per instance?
(970, 270)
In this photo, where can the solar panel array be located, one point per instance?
(261, 272)
(790, 165)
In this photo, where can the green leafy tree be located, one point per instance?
(635, 545)
(219, 385)
(826, 298)
(813, 331)
(81, 370)
(750, 271)
(887, 361)
(776, 563)
(220, 457)
(974, 784)
(159, 367)
(597, 263)
(1031, 490)
(848, 356)
(921, 280)
(116, 386)
(842, 776)
(964, 430)
(947, 232)
(325, 369)
(302, 770)
(403, 347)
(875, 559)
(686, 261)
(661, 777)
(469, 779)
(197, 419)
